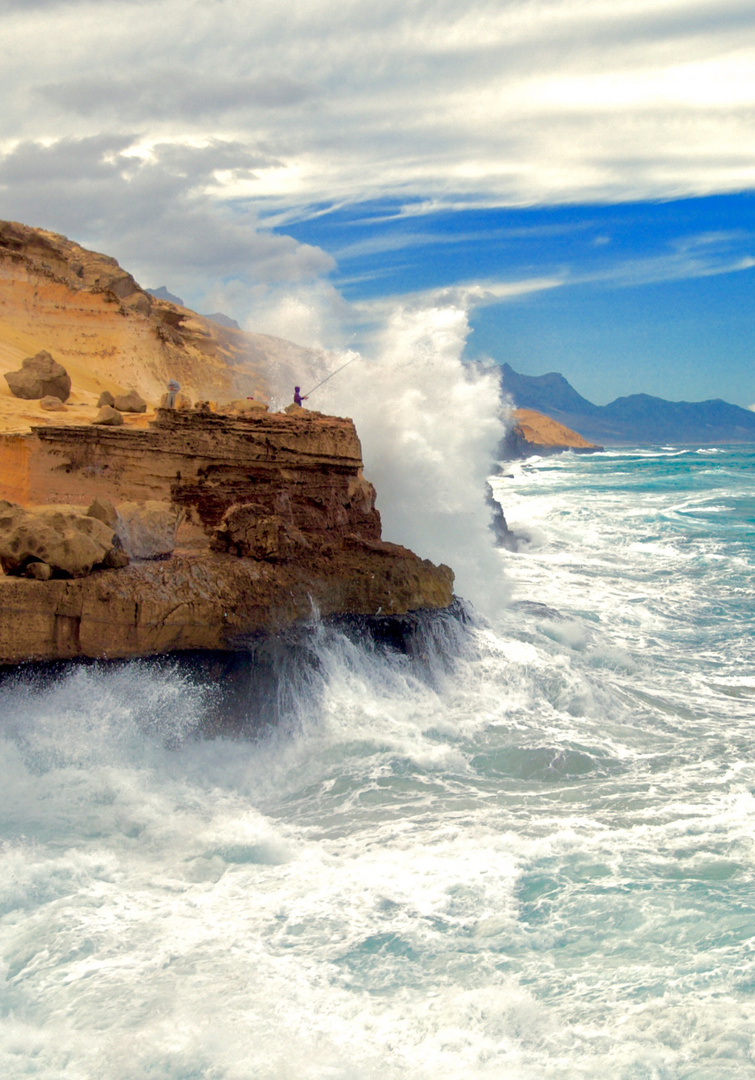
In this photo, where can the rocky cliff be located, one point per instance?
(212, 524)
(276, 522)
(110, 334)
(207, 602)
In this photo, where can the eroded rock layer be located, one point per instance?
(304, 468)
(277, 523)
(207, 602)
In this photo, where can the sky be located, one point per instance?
(577, 175)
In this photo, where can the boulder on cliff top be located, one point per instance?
(244, 405)
(52, 404)
(38, 377)
(130, 402)
(108, 416)
(68, 542)
(105, 398)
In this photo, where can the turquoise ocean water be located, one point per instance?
(525, 852)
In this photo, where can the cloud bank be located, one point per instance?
(162, 128)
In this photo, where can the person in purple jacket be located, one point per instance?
(297, 396)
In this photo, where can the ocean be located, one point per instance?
(523, 849)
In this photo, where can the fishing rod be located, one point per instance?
(356, 357)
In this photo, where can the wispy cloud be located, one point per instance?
(170, 93)
(466, 297)
(516, 102)
(656, 269)
(154, 210)
(162, 129)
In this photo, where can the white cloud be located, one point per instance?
(154, 211)
(462, 297)
(520, 100)
(284, 105)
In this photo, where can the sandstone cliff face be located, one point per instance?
(277, 523)
(303, 467)
(207, 602)
(275, 519)
(109, 334)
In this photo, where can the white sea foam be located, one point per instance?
(430, 428)
(532, 858)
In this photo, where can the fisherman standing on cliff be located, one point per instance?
(298, 397)
(170, 397)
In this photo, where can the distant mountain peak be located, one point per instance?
(552, 391)
(637, 418)
(162, 293)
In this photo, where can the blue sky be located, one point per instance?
(576, 175)
(650, 296)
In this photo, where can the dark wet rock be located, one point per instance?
(504, 537)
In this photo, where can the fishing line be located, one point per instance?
(357, 357)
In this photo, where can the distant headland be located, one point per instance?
(635, 420)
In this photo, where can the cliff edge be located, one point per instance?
(213, 523)
(272, 521)
(111, 334)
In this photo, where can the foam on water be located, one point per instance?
(525, 849)
(501, 864)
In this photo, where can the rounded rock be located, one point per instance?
(108, 416)
(38, 377)
(130, 402)
(52, 404)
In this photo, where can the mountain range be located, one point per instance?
(639, 418)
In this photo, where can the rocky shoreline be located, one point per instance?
(273, 521)
(532, 432)
(206, 602)
(240, 688)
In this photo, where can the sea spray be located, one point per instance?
(533, 860)
(430, 426)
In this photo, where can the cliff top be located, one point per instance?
(109, 333)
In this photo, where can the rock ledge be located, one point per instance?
(276, 523)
